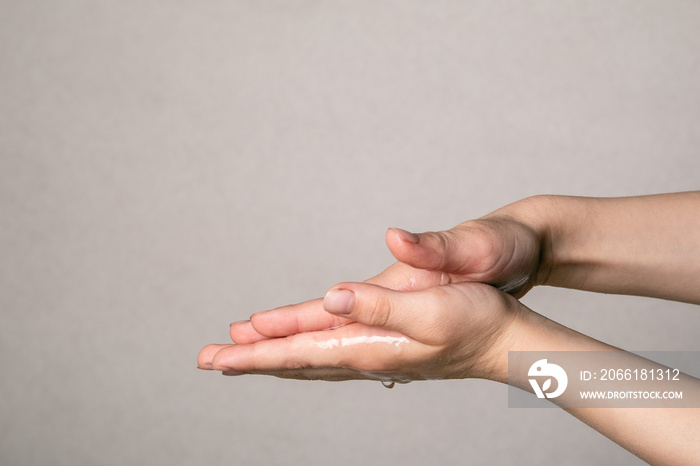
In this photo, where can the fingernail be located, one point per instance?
(205, 367)
(238, 322)
(339, 301)
(407, 236)
(232, 373)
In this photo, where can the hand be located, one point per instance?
(497, 249)
(452, 331)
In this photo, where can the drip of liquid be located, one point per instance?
(388, 383)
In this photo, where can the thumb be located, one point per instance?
(461, 250)
(374, 305)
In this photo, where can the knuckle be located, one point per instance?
(485, 246)
(444, 240)
(378, 310)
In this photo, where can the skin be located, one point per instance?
(449, 309)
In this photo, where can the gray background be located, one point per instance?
(169, 167)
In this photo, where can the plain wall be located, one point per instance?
(168, 167)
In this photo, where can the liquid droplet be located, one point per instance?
(388, 383)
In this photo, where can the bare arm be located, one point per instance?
(644, 245)
(657, 435)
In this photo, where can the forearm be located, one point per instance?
(657, 435)
(645, 246)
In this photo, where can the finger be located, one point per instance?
(310, 316)
(206, 355)
(288, 320)
(373, 305)
(243, 333)
(355, 346)
(461, 250)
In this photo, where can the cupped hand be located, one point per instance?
(497, 249)
(452, 331)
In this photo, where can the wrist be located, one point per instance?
(518, 335)
(530, 331)
(541, 215)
